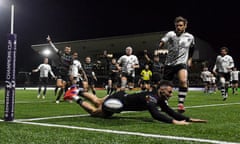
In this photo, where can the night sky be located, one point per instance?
(216, 22)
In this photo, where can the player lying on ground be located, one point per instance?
(121, 101)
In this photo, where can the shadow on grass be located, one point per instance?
(97, 121)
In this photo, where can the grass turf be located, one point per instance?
(223, 121)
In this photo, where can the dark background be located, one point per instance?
(216, 22)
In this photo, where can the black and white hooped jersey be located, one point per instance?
(224, 63)
(178, 47)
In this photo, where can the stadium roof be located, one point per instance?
(117, 44)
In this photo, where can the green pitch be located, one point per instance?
(39, 121)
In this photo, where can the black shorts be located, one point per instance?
(129, 76)
(43, 80)
(156, 77)
(170, 71)
(63, 74)
(114, 78)
(234, 81)
(91, 80)
(145, 82)
(63, 77)
(225, 75)
(206, 82)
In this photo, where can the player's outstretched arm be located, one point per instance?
(182, 122)
(48, 38)
(51, 43)
(35, 70)
(197, 120)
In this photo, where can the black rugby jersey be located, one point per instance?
(65, 60)
(148, 101)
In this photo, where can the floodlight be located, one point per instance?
(46, 52)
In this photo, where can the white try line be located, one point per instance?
(30, 102)
(58, 117)
(129, 133)
(54, 117)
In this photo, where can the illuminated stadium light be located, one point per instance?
(46, 52)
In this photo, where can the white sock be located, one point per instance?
(75, 98)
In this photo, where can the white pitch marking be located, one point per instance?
(45, 118)
(29, 102)
(24, 121)
(130, 133)
(55, 117)
(212, 105)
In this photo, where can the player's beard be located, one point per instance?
(163, 96)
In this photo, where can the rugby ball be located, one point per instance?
(113, 103)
